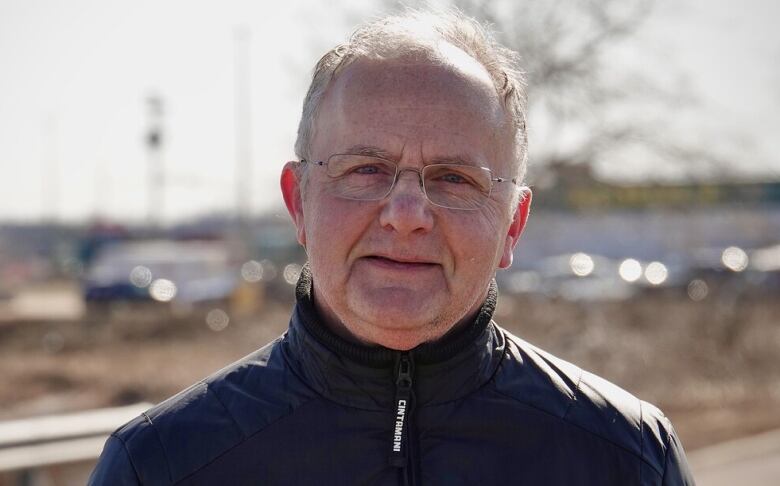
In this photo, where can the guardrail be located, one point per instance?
(753, 460)
(34, 444)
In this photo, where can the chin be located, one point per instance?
(405, 300)
(400, 327)
(395, 308)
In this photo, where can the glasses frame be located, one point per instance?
(419, 172)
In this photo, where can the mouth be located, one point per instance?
(399, 263)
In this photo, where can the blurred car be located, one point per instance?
(576, 276)
(184, 272)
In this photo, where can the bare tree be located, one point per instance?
(587, 104)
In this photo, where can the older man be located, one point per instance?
(407, 198)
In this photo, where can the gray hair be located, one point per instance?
(414, 32)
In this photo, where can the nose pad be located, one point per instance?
(419, 180)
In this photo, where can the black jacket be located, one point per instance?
(478, 407)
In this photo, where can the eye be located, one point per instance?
(453, 177)
(371, 169)
(366, 170)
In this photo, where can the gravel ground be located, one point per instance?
(712, 366)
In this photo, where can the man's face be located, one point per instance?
(402, 271)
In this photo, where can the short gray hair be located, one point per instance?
(415, 31)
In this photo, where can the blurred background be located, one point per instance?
(142, 229)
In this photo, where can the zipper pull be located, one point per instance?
(403, 408)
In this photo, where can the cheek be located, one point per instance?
(477, 238)
(333, 226)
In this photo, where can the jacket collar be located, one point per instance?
(363, 376)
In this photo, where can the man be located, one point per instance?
(407, 199)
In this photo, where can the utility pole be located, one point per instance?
(243, 119)
(155, 171)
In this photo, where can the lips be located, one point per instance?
(400, 263)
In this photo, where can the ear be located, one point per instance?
(516, 228)
(291, 191)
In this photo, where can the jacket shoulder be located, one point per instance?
(187, 431)
(589, 402)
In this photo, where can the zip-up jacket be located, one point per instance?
(480, 406)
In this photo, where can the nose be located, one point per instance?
(406, 210)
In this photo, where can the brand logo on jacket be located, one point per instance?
(399, 425)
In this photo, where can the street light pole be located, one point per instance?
(156, 171)
(243, 120)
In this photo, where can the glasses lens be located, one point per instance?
(457, 186)
(360, 176)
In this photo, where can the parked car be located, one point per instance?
(179, 272)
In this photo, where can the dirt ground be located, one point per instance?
(712, 366)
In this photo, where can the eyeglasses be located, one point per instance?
(371, 178)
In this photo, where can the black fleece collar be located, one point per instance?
(362, 376)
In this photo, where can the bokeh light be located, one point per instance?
(698, 290)
(291, 273)
(656, 273)
(141, 276)
(581, 264)
(162, 290)
(630, 270)
(217, 320)
(252, 271)
(735, 259)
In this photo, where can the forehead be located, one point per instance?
(440, 108)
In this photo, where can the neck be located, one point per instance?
(396, 339)
(331, 331)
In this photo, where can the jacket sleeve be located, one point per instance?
(114, 466)
(676, 472)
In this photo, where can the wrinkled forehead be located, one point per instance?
(457, 82)
(415, 97)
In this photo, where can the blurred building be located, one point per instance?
(573, 211)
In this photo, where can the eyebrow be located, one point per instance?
(369, 150)
(453, 159)
(442, 159)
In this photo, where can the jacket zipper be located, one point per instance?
(404, 403)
